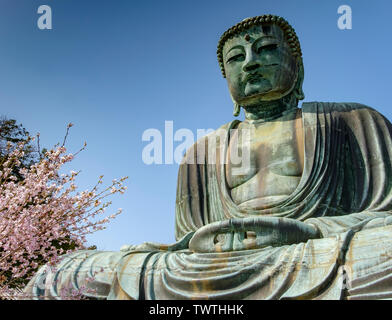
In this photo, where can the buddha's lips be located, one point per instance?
(257, 76)
(254, 77)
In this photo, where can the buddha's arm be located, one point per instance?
(370, 139)
(328, 226)
(230, 235)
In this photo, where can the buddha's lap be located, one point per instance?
(368, 255)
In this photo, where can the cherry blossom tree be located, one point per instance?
(44, 215)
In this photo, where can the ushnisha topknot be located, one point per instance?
(289, 32)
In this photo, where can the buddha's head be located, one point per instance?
(261, 59)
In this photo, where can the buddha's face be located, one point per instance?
(259, 65)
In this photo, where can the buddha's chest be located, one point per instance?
(270, 151)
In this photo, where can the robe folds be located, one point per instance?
(345, 192)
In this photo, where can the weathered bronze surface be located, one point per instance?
(307, 217)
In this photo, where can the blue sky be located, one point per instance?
(117, 68)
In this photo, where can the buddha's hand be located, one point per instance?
(251, 233)
(145, 246)
(378, 222)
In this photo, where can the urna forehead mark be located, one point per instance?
(252, 34)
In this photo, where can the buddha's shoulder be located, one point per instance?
(222, 131)
(342, 108)
(213, 137)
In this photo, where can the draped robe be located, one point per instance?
(345, 192)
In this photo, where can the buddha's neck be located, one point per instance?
(268, 110)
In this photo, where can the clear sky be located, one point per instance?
(117, 68)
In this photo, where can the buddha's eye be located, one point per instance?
(237, 57)
(267, 47)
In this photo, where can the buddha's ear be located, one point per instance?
(237, 107)
(298, 92)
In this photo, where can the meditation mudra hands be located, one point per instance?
(251, 233)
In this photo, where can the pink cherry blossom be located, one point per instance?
(43, 208)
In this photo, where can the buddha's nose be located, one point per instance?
(251, 64)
